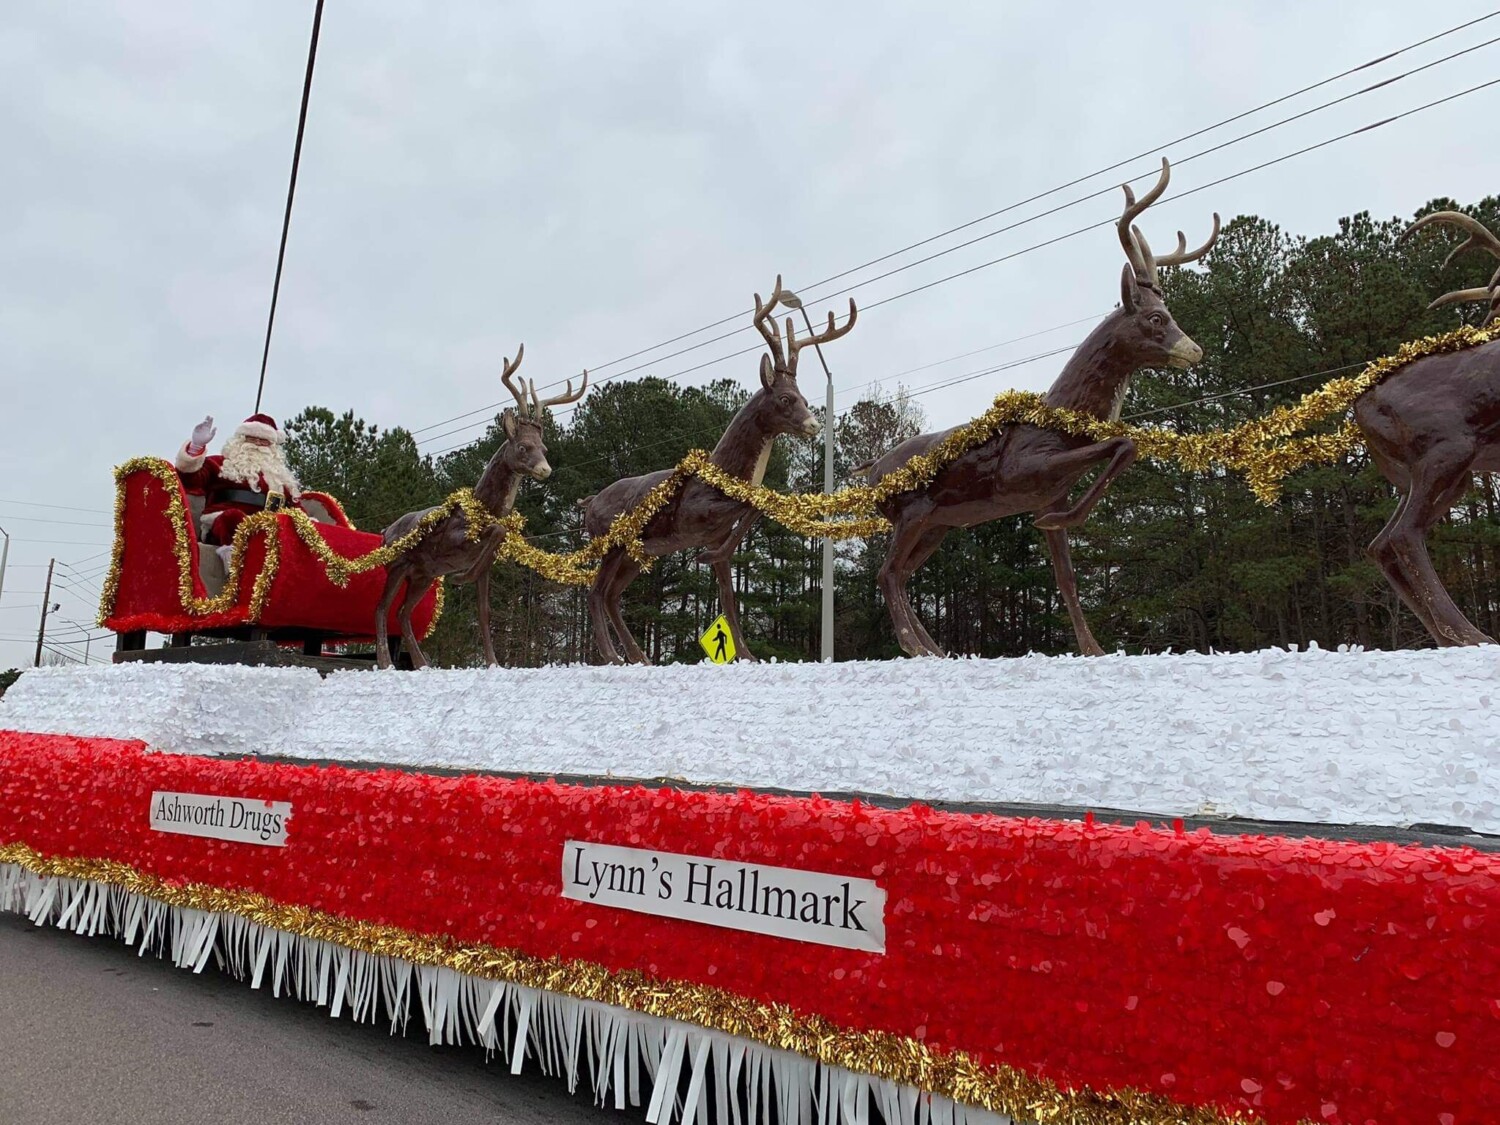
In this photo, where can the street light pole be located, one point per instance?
(4, 555)
(792, 301)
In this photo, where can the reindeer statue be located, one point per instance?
(699, 515)
(446, 548)
(1429, 427)
(1027, 469)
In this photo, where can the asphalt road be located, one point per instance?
(91, 1034)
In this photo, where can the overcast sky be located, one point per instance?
(594, 178)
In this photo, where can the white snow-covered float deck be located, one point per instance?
(1356, 737)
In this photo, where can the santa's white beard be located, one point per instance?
(246, 463)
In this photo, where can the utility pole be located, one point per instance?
(4, 554)
(41, 629)
(792, 301)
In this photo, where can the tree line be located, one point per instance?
(1170, 560)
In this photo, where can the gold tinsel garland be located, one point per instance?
(1266, 450)
(953, 1074)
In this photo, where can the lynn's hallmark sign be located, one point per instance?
(780, 901)
(241, 819)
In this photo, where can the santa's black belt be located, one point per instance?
(243, 496)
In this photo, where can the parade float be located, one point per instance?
(1149, 889)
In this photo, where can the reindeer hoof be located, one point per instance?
(910, 645)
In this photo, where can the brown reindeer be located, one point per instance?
(699, 515)
(1027, 469)
(446, 548)
(1429, 427)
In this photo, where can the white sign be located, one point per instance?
(780, 901)
(241, 819)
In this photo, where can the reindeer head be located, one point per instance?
(1479, 235)
(786, 410)
(524, 452)
(1151, 333)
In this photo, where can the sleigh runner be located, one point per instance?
(276, 593)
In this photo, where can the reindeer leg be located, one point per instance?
(482, 592)
(731, 542)
(393, 577)
(931, 540)
(599, 612)
(892, 581)
(1437, 481)
(1121, 453)
(719, 558)
(415, 591)
(1067, 585)
(625, 573)
(1383, 553)
(724, 574)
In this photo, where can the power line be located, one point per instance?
(1042, 195)
(971, 376)
(1244, 391)
(935, 363)
(1105, 222)
(1190, 136)
(1176, 164)
(1191, 191)
(62, 542)
(1058, 208)
(1081, 179)
(1031, 248)
(85, 575)
(991, 347)
(68, 523)
(60, 507)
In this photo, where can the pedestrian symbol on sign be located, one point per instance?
(718, 641)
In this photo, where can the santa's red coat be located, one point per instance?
(205, 476)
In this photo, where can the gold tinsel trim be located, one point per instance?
(1266, 450)
(953, 1074)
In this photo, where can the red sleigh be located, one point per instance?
(278, 591)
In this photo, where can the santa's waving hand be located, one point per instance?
(237, 482)
(203, 433)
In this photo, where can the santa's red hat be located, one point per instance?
(261, 426)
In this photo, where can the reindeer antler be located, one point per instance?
(1480, 236)
(765, 321)
(538, 405)
(507, 371)
(1138, 250)
(832, 332)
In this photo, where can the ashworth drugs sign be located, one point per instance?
(241, 819)
(780, 901)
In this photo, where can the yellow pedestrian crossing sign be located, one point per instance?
(718, 641)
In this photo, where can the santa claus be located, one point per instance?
(250, 474)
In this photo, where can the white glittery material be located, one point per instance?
(1337, 737)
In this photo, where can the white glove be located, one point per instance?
(203, 433)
